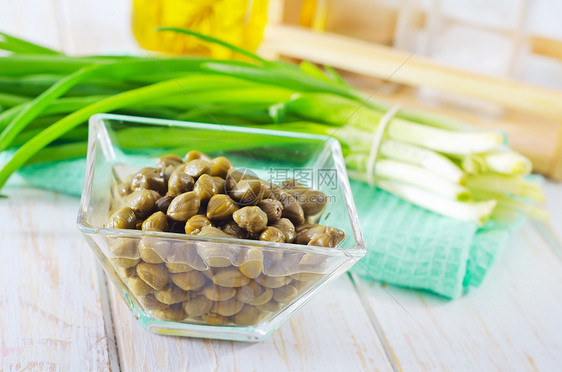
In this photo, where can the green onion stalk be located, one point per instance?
(435, 162)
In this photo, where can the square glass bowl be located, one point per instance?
(196, 286)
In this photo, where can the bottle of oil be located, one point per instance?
(239, 22)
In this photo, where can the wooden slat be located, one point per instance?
(50, 307)
(546, 47)
(535, 137)
(331, 333)
(402, 67)
(511, 323)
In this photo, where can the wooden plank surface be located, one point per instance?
(36, 20)
(511, 323)
(96, 27)
(51, 315)
(331, 333)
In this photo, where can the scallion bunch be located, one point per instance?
(435, 162)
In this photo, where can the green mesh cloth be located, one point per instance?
(406, 245)
(412, 247)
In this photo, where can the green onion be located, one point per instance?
(505, 185)
(14, 44)
(36, 106)
(438, 163)
(478, 212)
(508, 162)
(420, 177)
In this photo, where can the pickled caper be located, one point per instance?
(155, 275)
(230, 277)
(168, 162)
(154, 250)
(272, 282)
(285, 294)
(292, 209)
(303, 227)
(247, 192)
(271, 190)
(139, 287)
(163, 203)
(244, 187)
(214, 254)
(232, 228)
(175, 268)
(324, 236)
(189, 281)
(252, 219)
(234, 176)
(311, 201)
(123, 218)
(205, 187)
(194, 155)
(123, 188)
(174, 313)
(149, 179)
(186, 253)
(248, 315)
(194, 225)
(126, 263)
(323, 240)
(272, 234)
(220, 183)
(129, 272)
(156, 222)
(221, 207)
(184, 206)
(273, 208)
(142, 202)
(171, 295)
(253, 293)
(213, 232)
(149, 302)
(197, 167)
(214, 319)
(180, 182)
(263, 298)
(220, 166)
(312, 259)
(197, 306)
(287, 227)
(227, 308)
(253, 263)
(216, 293)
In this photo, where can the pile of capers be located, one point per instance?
(206, 282)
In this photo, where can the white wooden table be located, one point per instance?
(57, 311)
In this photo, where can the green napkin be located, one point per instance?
(412, 247)
(406, 245)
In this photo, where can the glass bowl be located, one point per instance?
(197, 286)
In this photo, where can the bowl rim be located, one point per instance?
(99, 120)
